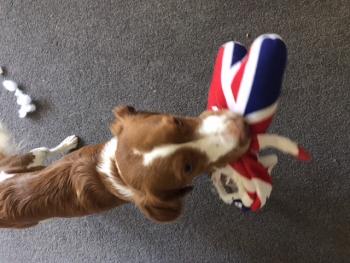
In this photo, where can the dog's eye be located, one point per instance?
(188, 168)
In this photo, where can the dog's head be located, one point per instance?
(159, 155)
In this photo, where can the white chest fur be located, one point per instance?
(4, 176)
(105, 166)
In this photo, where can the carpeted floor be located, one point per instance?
(79, 59)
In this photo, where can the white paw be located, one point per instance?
(68, 144)
(40, 155)
(42, 151)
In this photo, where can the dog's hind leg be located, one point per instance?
(42, 153)
(35, 159)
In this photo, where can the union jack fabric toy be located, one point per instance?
(249, 84)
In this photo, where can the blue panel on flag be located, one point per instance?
(268, 75)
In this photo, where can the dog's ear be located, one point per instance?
(160, 211)
(120, 112)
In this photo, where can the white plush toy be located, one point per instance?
(23, 100)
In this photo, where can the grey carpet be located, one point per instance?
(79, 59)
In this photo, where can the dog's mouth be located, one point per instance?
(186, 190)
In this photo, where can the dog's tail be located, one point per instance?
(6, 143)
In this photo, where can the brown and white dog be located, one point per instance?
(150, 161)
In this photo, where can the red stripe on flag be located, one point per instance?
(236, 83)
(261, 126)
(255, 169)
(303, 155)
(249, 167)
(256, 201)
(256, 205)
(238, 166)
(254, 144)
(216, 96)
